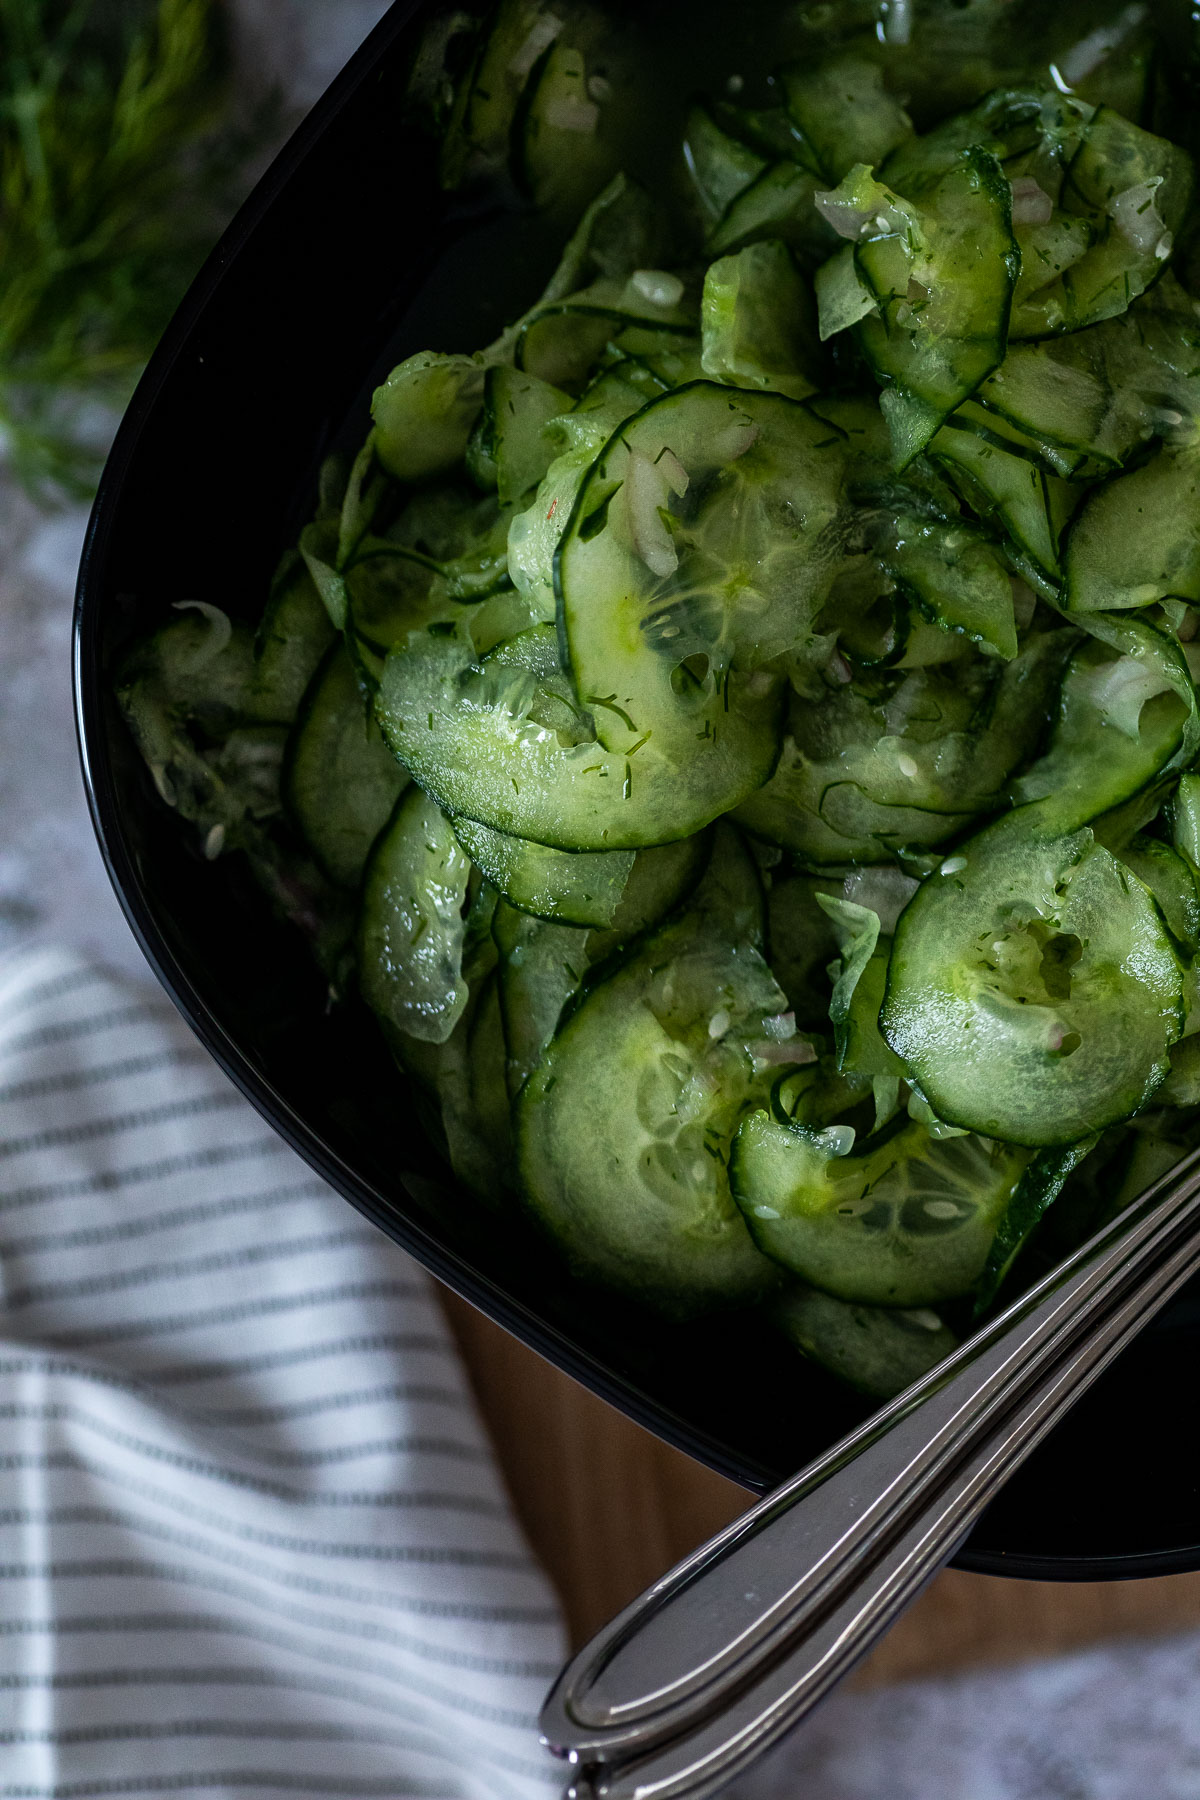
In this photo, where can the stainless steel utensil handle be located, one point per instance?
(725, 1614)
(721, 1747)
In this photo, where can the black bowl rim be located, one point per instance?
(105, 809)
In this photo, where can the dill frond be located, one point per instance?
(114, 166)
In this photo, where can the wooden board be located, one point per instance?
(608, 1508)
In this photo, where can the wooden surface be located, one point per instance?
(608, 1508)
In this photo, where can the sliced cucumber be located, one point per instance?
(506, 744)
(477, 135)
(720, 164)
(1034, 991)
(910, 763)
(623, 1128)
(880, 1350)
(1132, 190)
(509, 450)
(1041, 1185)
(956, 579)
(424, 414)
(757, 323)
(541, 968)
(1125, 713)
(942, 273)
(1137, 539)
(779, 205)
(1000, 481)
(698, 550)
(843, 111)
(294, 634)
(411, 928)
(340, 780)
(562, 155)
(908, 1220)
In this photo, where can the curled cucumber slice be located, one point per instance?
(624, 1126)
(908, 1220)
(504, 742)
(880, 1350)
(412, 926)
(700, 548)
(1034, 990)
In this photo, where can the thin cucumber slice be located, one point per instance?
(1137, 539)
(563, 156)
(506, 744)
(720, 164)
(779, 205)
(294, 634)
(843, 297)
(1126, 712)
(942, 273)
(578, 888)
(957, 580)
(1133, 190)
(1170, 879)
(676, 581)
(477, 135)
(623, 1128)
(1034, 991)
(535, 534)
(880, 1350)
(574, 888)
(563, 342)
(766, 129)
(910, 764)
(1041, 1184)
(340, 780)
(908, 1220)
(424, 414)
(757, 324)
(801, 944)
(411, 927)
(844, 113)
(510, 449)
(1001, 483)
(542, 966)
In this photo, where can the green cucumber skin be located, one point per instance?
(998, 1037)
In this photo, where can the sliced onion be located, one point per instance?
(657, 286)
(677, 477)
(1087, 55)
(1137, 218)
(568, 112)
(885, 891)
(1119, 690)
(770, 1053)
(541, 35)
(848, 221)
(220, 629)
(1031, 204)
(645, 494)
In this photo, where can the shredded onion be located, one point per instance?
(1087, 55)
(645, 494)
(733, 441)
(886, 892)
(567, 112)
(1137, 218)
(657, 286)
(771, 1053)
(541, 36)
(848, 221)
(220, 632)
(677, 477)
(1031, 204)
(214, 843)
(1120, 689)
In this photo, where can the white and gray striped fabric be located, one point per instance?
(252, 1538)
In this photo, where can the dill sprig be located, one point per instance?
(116, 168)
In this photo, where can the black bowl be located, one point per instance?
(347, 257)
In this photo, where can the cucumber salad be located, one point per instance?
(737, 730)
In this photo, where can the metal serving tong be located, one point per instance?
(697, 1679)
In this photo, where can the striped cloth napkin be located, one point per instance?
(252, 1538)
